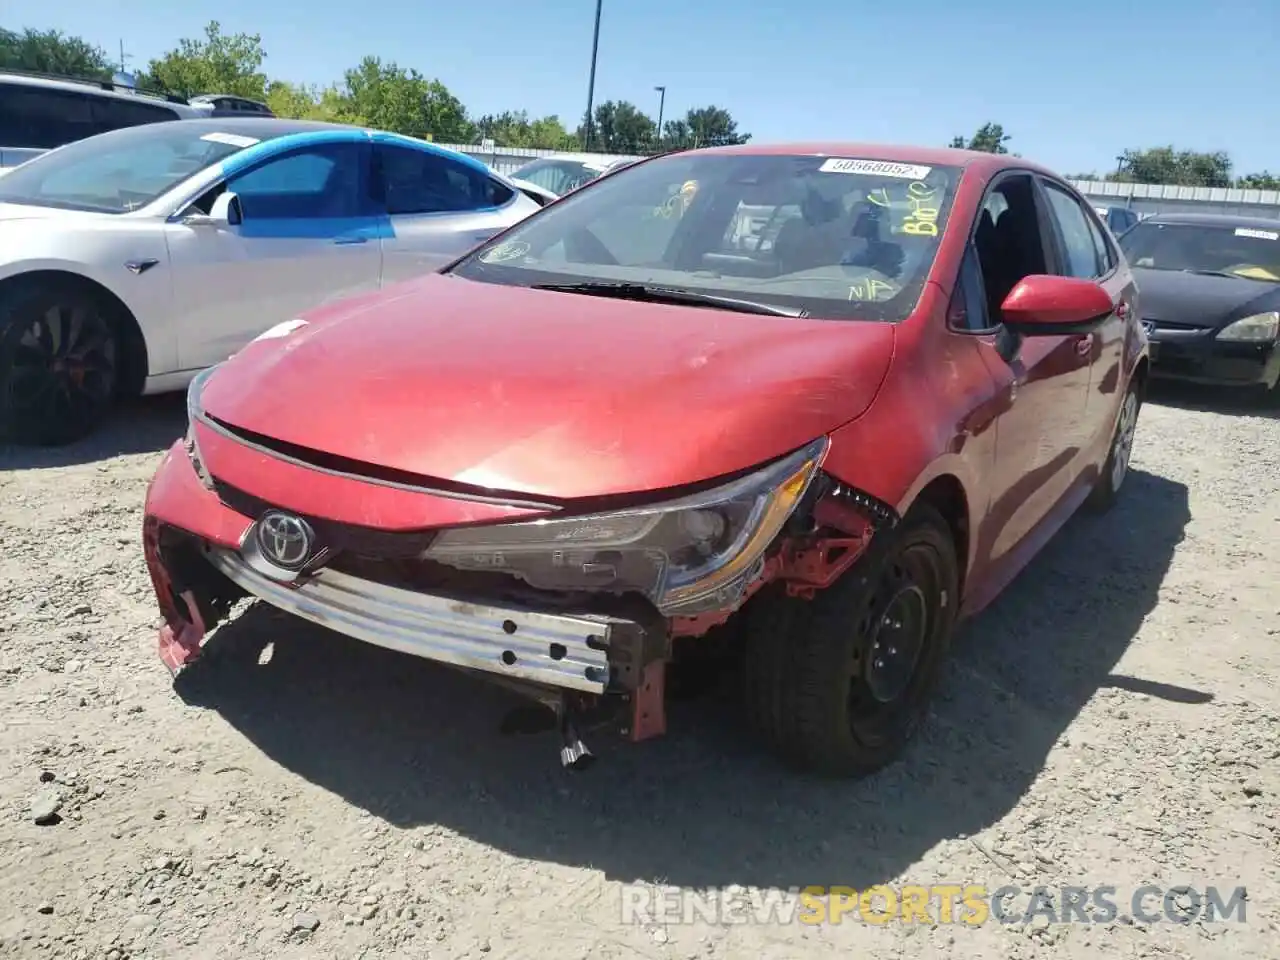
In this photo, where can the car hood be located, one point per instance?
(555, 395)
(22, 211)
(1196, 300)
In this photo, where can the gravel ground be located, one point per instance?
(1113, 720)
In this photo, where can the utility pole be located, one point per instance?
(662, 102)
(123, 56)
(591, 83)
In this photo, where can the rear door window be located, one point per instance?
(419, 182)
(110, 113)
(1079, 249)
(38, 118)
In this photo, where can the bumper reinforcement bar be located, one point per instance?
(570, 652)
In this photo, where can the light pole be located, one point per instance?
(591, 83)
(662, 102)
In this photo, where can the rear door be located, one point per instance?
(309, 235)
(1087, 253)
(438, 208)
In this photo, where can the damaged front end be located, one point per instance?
(579, 614)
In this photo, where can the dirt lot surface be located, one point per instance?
(1113, 720)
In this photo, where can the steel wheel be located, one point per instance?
(838, 685)
(1122, 446)
(888, 642)
(60, 357)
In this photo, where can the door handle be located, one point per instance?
(1084, 346)
(344, 241)
(1122, 309)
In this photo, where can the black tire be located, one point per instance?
(1106, 490)
(809, 691)
(59, 365)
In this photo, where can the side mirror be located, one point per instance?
(1048, 306)
(226, 210)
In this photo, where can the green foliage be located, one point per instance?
(1180, 167)
(1259, 181)
(216, 64)
(516, 129)
(989, 138)
(51, 51)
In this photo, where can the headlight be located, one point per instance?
(193, 413)
(1259, 328)
(688, 555)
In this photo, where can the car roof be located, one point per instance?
(895, 153)
(96, 88)
(1214, 220)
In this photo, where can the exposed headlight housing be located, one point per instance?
(1259, 328)
(687, 556)
(194, 410)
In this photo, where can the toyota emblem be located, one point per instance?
(284, 539)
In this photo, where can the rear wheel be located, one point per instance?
(1114, 472)
(839, 685)
(58, 366)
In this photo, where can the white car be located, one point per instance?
(132, 260)
(559, 174)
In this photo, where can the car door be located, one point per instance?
(1087, 253)
(438, 208)
(309, 234)
(1044, 380)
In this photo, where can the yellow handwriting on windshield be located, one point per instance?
(922, 221)
(879, 197)
(870, 289)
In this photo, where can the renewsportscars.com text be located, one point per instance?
(963, 904)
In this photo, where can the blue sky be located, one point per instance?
(1073, 83)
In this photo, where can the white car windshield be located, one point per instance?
(559, 176)
(119, 171)
(839, 237)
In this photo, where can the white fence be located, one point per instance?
(1142, 198)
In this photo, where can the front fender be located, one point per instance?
(31, 246)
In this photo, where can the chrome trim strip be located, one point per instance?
(437, 628)
(226, 434)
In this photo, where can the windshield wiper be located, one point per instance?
(677, 297)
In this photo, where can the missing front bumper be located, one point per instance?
(569, 652)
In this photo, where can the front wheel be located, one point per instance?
(58, 366)
(838, 686)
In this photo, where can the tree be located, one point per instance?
(51, 51)
(217, 64)
(515, 129)
(390, 97)
(310, 103)
(1259, 181)
(702, 127)
(989, 138)
(620, 127)
(1180, 167)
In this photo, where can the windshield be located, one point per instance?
(1250, 252)
(119, 171)
(836, 237)
(559, 176)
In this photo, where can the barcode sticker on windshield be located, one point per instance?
(231, 139)
(875, 168)
(1257, 234)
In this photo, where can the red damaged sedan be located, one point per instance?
(816, 402)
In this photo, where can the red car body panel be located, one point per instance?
(550, 395)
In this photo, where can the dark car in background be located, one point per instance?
(1210, 294)
(40, 112)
